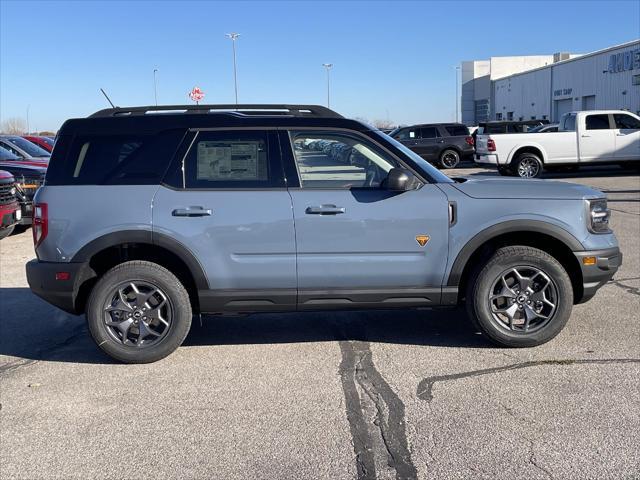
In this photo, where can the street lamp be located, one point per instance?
(155, 86)
(234, 37)
(328, 67)
(457, 96)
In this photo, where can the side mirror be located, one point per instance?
(401, 180)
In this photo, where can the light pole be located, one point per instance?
(234, 37)
(328, 67)
(28, 106)
(457, 96)
(155, 86)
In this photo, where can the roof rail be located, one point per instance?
(240, 109)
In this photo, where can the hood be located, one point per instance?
(27, 162)
(506, 188)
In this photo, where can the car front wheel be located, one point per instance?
(139, 312)
(522, 297)
(449, 159)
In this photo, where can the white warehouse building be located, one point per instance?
(547, 86)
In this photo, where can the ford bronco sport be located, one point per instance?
(149, 215)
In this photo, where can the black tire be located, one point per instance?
(449, 158)
(150, 273)
(505, 171)
(479, 291)
(5, 232)
(527, 165)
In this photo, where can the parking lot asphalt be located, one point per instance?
(385, 394)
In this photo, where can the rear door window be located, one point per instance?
(233, 159)
(429, 132)
(626, 122)
(598, 122)
(569, 123)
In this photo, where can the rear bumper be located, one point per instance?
(41, 277)
(486, 159)
(595, 276)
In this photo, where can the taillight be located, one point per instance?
(469, 140)
(491, 145)
(40, 225)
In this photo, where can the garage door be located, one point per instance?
(562, 106)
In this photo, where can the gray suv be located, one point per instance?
(150, 215)
(442, 144)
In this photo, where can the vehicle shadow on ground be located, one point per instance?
(31, 329)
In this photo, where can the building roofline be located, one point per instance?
(580, 57)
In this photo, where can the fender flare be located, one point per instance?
(510, 226)
(145, 236)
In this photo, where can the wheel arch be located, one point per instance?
(530, 148)
(111, 249)
(535, 233)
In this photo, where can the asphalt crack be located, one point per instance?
(626, 288)
(358, 373)
(425, 387)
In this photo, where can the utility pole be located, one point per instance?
(234, 37)
(155, 86)
(328, 66)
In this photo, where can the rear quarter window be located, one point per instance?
(457, 130)
(112, 159)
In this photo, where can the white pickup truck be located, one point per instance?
(583, 138)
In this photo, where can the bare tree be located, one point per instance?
(14, 126)
(383, 124)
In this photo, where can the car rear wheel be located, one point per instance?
(139, 312)
(449, 159)
(528, 165)
(522, 297)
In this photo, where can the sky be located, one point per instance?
(391, 60)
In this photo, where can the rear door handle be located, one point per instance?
(192, 212)
(325, 210)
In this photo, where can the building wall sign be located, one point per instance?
(621, 62)
(562, 92)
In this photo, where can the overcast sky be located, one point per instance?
(391, 59)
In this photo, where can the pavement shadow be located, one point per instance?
(34, 330)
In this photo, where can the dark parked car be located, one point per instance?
(14, 148)
(552, 127)
(28, 178)
(443, 144)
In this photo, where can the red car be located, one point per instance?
(10, 212)
(43, 142)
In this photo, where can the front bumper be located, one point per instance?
(41, 277)
(595, 276)
(27, 213)
(9, 215)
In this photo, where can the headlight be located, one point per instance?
(598, 216)
(13, 191)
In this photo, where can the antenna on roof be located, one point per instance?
(107, 97)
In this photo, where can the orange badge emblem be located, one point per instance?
(422, 239)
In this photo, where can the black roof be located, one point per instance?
(150, 119)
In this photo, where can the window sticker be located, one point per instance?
(227, 160)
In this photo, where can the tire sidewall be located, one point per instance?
(445, 152)
(146, 272)
(489, 274)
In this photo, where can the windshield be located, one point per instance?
(31, 149)
(429, 170)
(7, 155)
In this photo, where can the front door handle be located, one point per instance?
(325, 210)
(192, 212)
(585, 136)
